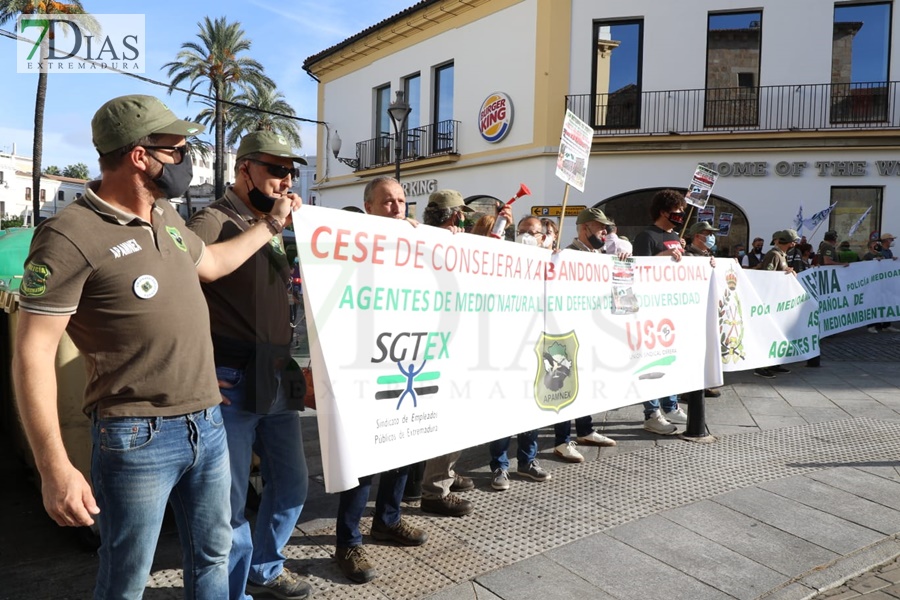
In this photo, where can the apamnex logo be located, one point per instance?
(93, 43)
(410, 352)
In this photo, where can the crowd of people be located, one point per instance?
(180, 401)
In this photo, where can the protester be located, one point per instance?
(887, 240)
(383, 197)
(592, 226)
(446, 210)
(827, 254)
(752, 259)
(551, 232)
(844, 254)
(795, 255)
(526, 443)
(776, 260)
(660, 239)
(262, 388)
(738, 252)
(118, 270)
(874, 250)
(701, 238)
(530, 231)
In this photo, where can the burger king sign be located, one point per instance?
(495, 117)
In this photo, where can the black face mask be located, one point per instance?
(596, 242)
(258, 200)
(174, 179)
(676, 218)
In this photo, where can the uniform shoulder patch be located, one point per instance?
(34, 280)
(176, 237)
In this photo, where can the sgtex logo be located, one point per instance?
(410, 352)
(80, 43)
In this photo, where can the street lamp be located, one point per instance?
(353, 163)
(399, 111)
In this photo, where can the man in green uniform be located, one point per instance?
(251, 314)
(119, 271)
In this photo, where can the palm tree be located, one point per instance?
(9, 9)
(255, 113)
(207, 116)
(215, 61)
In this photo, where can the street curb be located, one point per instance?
(838, 572)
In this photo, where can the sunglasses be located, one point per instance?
(179, 150)
(278, 171)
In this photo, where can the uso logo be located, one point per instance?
(495, 117)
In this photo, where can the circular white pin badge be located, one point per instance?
(146, 286)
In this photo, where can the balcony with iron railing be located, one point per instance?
(776, 108)
(416, 143)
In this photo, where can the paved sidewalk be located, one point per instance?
(800, 495)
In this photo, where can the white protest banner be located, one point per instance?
(424, 342)
(574, 151)
(765, 318)
(701, 186)
(849, 297)
(724, 223)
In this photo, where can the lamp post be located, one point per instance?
(336, 143)
(399, 111)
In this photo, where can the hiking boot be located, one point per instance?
(656, 423)
(676, 416)
(402, 533)
(711, 393)
(533, 471)
(450, 505)
(595, 439)
(354, 565)
(462, 484)
(500, 480)
(766, 373)
(287, 586)
(568, 453)
(779, 369)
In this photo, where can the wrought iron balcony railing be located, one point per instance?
(809, 107)
(418, 142)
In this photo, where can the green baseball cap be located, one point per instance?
(126, 119)
(267, 142)
(785, 236)
(699, 227)
(592, 214)
(448, 199)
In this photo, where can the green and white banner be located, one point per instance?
(860, 294)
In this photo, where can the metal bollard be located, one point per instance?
(696, 423)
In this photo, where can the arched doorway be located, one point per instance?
(631, 213)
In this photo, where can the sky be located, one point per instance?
(283, 35)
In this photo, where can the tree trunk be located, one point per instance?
(38, 147)
(220, 147)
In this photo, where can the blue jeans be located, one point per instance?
(525, 452)
(352, 503)
(278, 441)
(669, 404)
(563, 431)
(139, 464)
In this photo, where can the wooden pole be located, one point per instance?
(562, 217)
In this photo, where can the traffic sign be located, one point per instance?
(555, 211)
